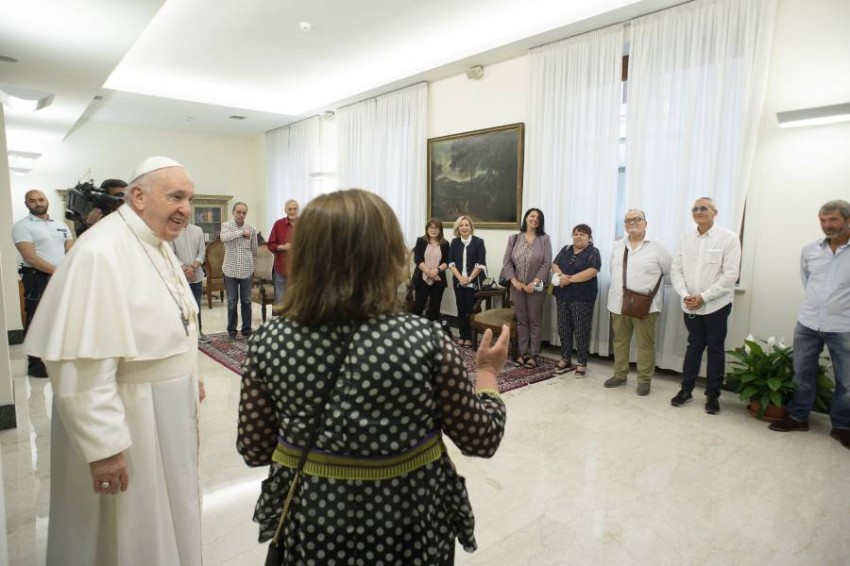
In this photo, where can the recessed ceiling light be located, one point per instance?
(305, 26)
(236, 117)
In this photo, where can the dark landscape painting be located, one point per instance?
(477, 173)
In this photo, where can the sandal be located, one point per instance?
(531, 363)
(520, 360)
(564, 366)
(581, 371)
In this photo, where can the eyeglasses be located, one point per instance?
(633, 220)
(702, 208)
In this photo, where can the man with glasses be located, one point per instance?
(648, 262)
(705, 269)
(824, 320)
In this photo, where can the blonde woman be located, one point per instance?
(468, 261)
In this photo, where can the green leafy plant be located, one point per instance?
(766, 374)
(763, 374)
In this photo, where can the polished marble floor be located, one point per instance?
(585, 475)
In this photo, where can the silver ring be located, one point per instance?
(105, 484)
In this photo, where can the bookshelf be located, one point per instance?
(209, 212)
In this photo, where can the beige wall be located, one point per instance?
(457, 105)
(796, 169)
(218, 164)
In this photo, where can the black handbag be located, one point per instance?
(277, 553)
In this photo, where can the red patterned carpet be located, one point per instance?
(231, 352)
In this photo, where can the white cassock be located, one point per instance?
(124, 372)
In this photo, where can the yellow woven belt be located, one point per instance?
(354, 468)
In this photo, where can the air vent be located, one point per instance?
(236, 117)
(6, 59)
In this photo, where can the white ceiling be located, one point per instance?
(190, 64)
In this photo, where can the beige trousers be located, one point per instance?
(644, 332)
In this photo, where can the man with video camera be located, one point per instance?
(113, 188)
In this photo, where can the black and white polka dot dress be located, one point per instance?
(401, 381)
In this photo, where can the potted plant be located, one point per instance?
(764, 377)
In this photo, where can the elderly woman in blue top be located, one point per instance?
(526, 264)
(467, 260)
(575, 288)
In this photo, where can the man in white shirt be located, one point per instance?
(117, 331)
(648, 265)
(190, 248)
(824, 320)
(240, 250)
(705, 269)
(42, 243)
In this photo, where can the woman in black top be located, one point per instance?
(575, 268)
(431, 257)
(467, 260)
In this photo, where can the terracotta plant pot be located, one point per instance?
(771, 415)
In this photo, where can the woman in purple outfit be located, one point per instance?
(528, 258)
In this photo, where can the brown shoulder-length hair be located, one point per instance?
(439, 224)
(347, 260)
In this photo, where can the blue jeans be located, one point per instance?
(238, 290)
(197, 290)
(279, 286)
(808, 345)
(706, 331)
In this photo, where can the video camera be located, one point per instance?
(85, 197)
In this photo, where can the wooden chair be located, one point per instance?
(493, 318)
(213, 261)
(262, 290)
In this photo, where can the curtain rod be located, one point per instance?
(383, 94)
(292, 124)
(625, 22)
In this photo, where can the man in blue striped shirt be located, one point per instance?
(824, 319)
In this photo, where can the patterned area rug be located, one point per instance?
(231, 352)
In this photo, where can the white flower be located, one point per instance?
(771, 343)
(749, 338)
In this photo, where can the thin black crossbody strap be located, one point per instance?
(314, 430)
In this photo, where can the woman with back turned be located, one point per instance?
(380, 388)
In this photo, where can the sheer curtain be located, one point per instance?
(697, 77)
(382, 148)
(572, 154)
(292, 154)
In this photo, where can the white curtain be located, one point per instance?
(697, 77)
(572, 150)
(382, 148)
(293, 153)
(356, 134)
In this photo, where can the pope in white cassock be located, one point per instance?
(117, 330)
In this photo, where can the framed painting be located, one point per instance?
(477, 173)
